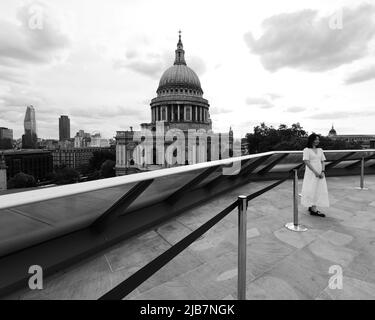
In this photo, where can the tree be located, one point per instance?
(84, 169)
(99, 157)
(266, 138)
(94, 176)
(107, 169)
(66, 175)
(6, 143)
(332, 144)
(21, 180)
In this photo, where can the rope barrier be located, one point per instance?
(135, 280)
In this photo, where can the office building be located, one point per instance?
(6, 138)
(64, 128)
(29, 139)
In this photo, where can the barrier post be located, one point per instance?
(295, 226)
(362, 177)
(242, 236)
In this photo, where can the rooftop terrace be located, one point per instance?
(173, 233)
(281, 264)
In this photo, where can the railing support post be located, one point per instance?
(362, 178)
(295, 226)
(242, 236)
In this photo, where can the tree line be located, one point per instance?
(267, 138)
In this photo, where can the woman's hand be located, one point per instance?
(322, 175)
(317, 175)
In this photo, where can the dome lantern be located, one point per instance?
(180, 53)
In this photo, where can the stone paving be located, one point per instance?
(281, 264)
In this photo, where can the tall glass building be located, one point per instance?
(29, 139)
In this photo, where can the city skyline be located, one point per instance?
(63, 127)
(80, 65)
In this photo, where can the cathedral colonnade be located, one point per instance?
(180, 113)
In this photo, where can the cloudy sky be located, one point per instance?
(99, 62)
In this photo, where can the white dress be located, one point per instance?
(314, 190)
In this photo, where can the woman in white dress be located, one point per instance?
(314, 187)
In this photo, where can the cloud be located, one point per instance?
(148, 68)
(197, 64)
(26, 43)
(11, 75)
(150, 64)
(260, 102)
(153, 65)
(273, 96)
(216, 110)
(341, 115)
(295, 109)
(362, 75)
(101, 112)
(303, 40)
(17, 98)
(130, 54)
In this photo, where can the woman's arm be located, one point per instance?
(308, 164)
(323, 165)
(323, 170)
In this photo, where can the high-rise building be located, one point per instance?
(6, 138)
(29, 139)
(64, 128)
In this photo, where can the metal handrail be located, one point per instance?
(33, 196)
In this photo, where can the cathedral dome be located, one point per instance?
(332, 132)
(179, 100)
(179, 78)
(179, 75)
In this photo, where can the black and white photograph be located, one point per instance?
(187, 156)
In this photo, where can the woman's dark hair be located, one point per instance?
(311, 139)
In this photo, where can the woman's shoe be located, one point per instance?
(316, 213)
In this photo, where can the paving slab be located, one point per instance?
(352, 289)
